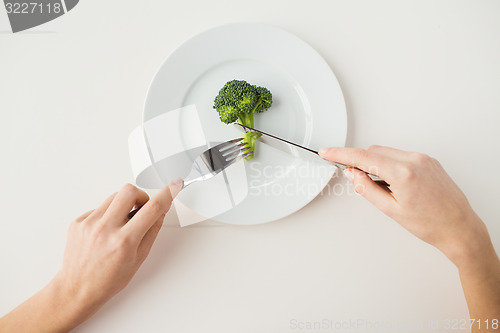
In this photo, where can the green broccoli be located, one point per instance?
(238, 101)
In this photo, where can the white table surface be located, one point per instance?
(417, 75)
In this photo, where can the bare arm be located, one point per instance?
(103, 252)
(427, 202)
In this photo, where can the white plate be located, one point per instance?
(308, 109)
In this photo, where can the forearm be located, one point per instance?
(480, 276)
(49, 310)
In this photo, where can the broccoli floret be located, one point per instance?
(238, 101)
(265, 99)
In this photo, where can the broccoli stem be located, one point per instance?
(246, 119)
(250, 138)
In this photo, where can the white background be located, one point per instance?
(417, 75)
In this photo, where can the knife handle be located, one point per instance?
(373, 177)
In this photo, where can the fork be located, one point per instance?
(213, 161)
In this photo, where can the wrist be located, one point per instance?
(69, 303)
(52, 309)
(479, 261)
(473, 251)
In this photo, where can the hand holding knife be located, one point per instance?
(301, 151)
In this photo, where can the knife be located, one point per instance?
(301, 151)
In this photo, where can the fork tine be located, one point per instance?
(234, 154)
(244, 149)
(238, 155)
(245, 155)
(228, 144)
(239, 147)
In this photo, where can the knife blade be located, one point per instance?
(300, 151)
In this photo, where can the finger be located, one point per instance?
(82, 217)
(127, 198)
(149, 239)
(139, 225)
(365, 160)
(390, 152)
(99, 211)
(378, 196)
